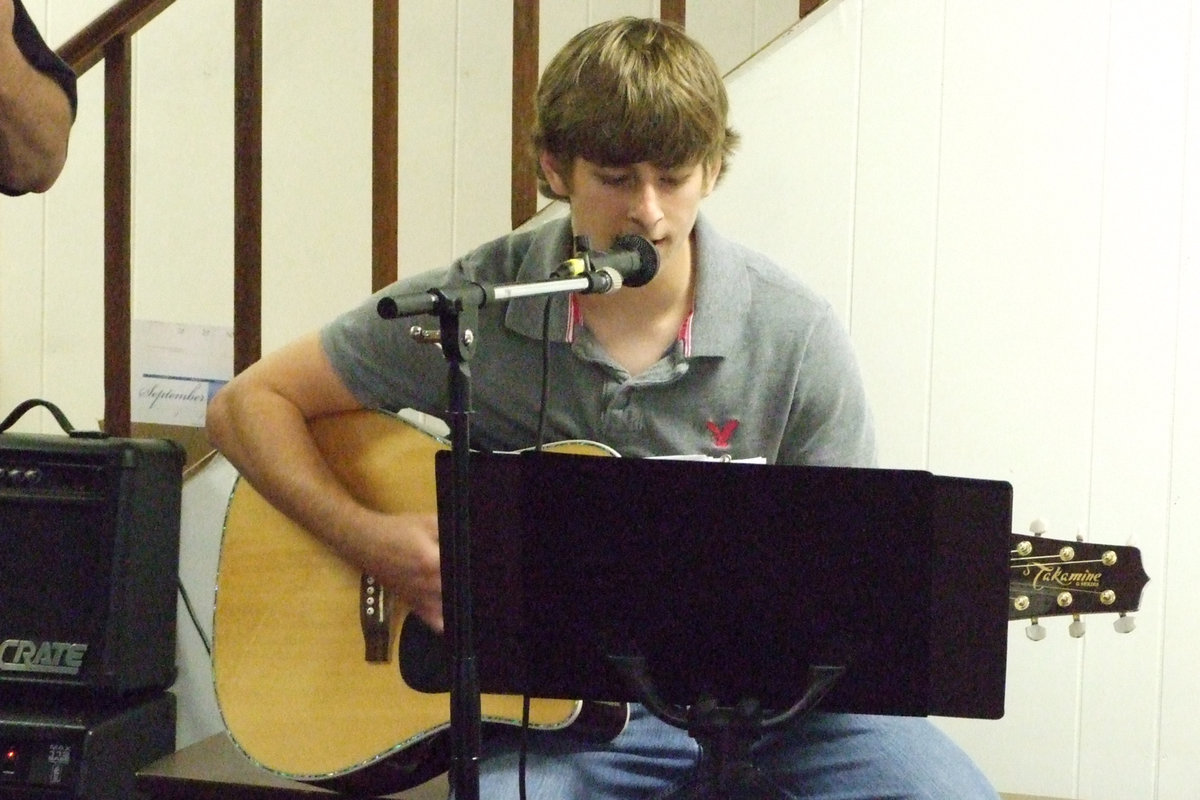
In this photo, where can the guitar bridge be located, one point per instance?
(375, 618)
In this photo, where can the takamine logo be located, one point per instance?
(51, 658)
(1057, 576)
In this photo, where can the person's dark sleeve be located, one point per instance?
(40, 56)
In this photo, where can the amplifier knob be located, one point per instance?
(15, 476)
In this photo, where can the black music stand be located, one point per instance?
(729, 597)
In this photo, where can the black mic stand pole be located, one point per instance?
(457, 310)
(458, 322)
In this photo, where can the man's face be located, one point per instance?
(657, 203)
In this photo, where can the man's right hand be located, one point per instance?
(402, 555)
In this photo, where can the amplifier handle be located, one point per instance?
(63, 422)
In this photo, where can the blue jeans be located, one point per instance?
(819, 757)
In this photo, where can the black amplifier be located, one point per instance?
(91, 752)
(89, 556)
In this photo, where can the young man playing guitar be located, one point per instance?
(722, 354)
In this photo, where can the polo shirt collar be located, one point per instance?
(721, 309)
(551, 244)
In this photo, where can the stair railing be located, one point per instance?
(109, 37)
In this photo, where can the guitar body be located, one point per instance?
(296, 691)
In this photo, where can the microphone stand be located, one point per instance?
(457, 309)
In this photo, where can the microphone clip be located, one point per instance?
(578, 264)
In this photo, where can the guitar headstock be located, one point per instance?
(1059, 577)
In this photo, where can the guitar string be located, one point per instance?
(1034, 559)
(1095, 592)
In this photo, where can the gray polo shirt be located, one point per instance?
(763, 368)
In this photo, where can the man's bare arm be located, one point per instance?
(35, 118)
(259, 421)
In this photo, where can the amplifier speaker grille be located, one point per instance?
(89, 554)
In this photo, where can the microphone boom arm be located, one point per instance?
(478, 295)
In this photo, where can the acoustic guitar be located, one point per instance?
(305, 655)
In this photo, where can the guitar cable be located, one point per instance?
(523, 754)
(187, 603)
(523, 750)
(541, 428)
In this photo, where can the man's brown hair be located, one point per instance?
(632, 90)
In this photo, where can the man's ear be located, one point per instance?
(555, 176)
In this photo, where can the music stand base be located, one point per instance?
(726, 769)
(725, 734)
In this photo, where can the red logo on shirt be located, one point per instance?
(721, 434)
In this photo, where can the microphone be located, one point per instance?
(632, 261)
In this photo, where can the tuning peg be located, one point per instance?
(1124, 623)
(1038, 526)
(1035, 631)
(1077, 628)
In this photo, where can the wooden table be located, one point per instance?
(213, 769)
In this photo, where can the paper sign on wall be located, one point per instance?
(176, 370)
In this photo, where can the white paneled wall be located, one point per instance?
(1001, 200)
